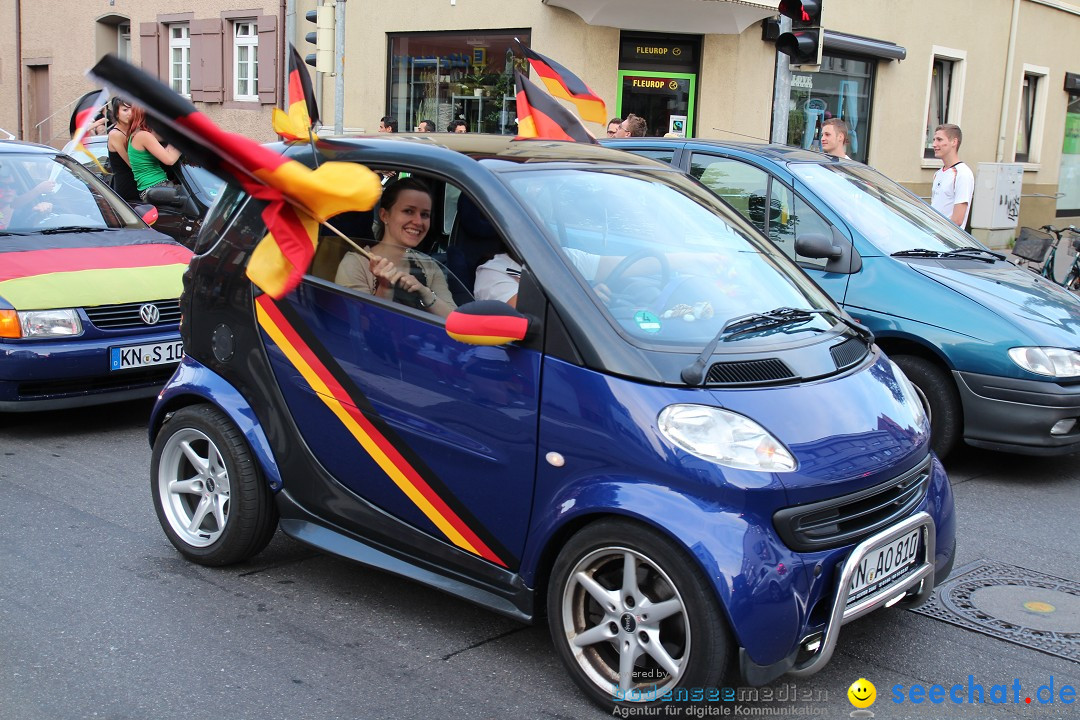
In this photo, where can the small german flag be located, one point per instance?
(541, 116)
(297, 198)
(564, 84)
(83, 120)
(303, 110)
(486, 322)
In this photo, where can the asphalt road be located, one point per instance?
(101, 618)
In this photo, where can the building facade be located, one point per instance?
(1001, 69)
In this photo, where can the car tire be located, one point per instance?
(599, 620)
(210, 496)
(941, 399)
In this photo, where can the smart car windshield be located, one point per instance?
(54, 193)
(885, 213)
(666, 260)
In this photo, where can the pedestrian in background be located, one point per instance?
(147, 155)
(387, 124)
(613, 126)
(954, 183)
(632, 126)
(123, 181)
(426, 126)
(834, 132)
(457, 126)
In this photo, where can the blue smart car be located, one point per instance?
(993, 348)
(671, 443)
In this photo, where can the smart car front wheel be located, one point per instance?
(210, 497)
(632, 618)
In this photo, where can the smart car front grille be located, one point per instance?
(850, 518)
(131, 315)
(748, 371)
(129, 380)
(848, 353)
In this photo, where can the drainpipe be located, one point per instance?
(288, 25)
(19, 68)
(1005, 91)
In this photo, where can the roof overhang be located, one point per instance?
(698, 17)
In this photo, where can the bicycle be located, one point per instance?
(1041, 246)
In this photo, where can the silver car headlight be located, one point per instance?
(49, 323)
(1052, 362)
(724, 437)
(912, 396)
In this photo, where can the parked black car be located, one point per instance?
(180, 214)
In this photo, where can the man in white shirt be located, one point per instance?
(954, 183)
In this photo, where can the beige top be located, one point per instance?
(354, 272)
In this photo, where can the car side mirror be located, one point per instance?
(814, 245)
(488, 322)
(148, 213)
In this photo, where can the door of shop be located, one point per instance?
(658, 81)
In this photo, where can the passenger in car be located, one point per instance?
(396, 270)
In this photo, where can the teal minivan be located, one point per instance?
(991, 346)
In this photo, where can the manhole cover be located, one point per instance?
(1022, 606)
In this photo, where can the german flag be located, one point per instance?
(303, 110)
(486, 322)
(541, 116)
(297, 198)
(83, 120)
(564, 84)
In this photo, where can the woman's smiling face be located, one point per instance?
(407, 222)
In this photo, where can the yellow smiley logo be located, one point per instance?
(862, 693)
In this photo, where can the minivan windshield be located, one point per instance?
(669, 263)
(884, 213)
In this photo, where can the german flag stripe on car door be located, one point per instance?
(352, 408)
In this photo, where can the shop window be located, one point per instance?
(1029, 121)
(180, 58)
(445, 77)
(945, 94)
(842, 88)
(245, 61)
(1069, 176)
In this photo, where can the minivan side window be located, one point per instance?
(665, 156)
(743, 187)
(790, 217)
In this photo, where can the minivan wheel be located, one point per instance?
(939, 392)
(210, 497)
(632, 618)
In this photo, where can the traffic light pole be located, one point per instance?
(339, 67)
(782, 92)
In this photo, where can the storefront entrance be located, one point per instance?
(658, 81)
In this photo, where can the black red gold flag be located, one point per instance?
(564, 84)
(541, 116)
(303, 112)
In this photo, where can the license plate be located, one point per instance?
(884, 566)
(134, 356)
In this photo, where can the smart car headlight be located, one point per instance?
(912, 397)
(1054, 362)
(49, 323)
(724, 437)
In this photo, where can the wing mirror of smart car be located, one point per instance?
(488, 322)
(148, 213)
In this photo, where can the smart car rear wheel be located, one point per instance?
(942, 400)
(632, 617)
(210, 497)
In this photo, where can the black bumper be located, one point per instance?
(1015, 416)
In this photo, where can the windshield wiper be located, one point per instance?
(71, 229)
(11, 232)
(694, 373)
(918, 252)
(976, 254)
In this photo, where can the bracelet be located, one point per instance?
(426, 305)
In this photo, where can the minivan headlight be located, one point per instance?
(724, 437)
(1054, 362)
(46, 323)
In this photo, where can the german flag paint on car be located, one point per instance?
(407, 470)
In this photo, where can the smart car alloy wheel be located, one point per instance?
(630, 623)
(210, 498)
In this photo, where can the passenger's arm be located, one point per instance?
(166, 154)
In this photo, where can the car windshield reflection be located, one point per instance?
(662, 257)
(883, 211)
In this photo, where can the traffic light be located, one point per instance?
(323, 38)
(803, 43)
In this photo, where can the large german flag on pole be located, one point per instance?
(541, 116)
(564, 84)
(303, 112)
(297, 198)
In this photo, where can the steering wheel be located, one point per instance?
(615, 277)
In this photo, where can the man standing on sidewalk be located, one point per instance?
(834, 138)
(954, 183)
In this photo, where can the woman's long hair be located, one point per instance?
(139, 121)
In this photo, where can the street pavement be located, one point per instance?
(101, 618)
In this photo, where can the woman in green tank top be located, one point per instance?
(147, 156)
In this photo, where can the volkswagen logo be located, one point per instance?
(150, 314)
